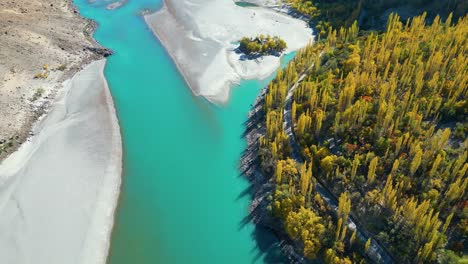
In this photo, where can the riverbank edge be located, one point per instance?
(261, 186)
(165, 43)
(268, 64)
(91, 151)
(147, 16)
(115, 166)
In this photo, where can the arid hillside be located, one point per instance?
(42, 44)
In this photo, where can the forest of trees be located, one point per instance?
(372, 14)
(380, 121)
(262, 45)
(305, 7)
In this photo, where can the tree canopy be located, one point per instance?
(262, 45)
(380, 120)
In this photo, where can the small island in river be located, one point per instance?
(200, 36)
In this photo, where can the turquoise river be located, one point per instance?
(183, 199)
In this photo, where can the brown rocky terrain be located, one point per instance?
(42, 43)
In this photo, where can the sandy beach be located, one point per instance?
(59, 191)
(60, 146)
(201, 37)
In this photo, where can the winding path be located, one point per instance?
(376, 252)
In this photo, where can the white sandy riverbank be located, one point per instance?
(200, 36)
(59, 191)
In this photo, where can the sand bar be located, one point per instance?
(201, 36)
(59, 191)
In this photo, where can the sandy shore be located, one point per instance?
(58, 192)
(201, 36)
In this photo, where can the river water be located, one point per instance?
(183, 199)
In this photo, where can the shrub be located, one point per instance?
(39, 92)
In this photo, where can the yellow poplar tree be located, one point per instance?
(372, 168)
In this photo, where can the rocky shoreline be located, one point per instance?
(261, 185)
